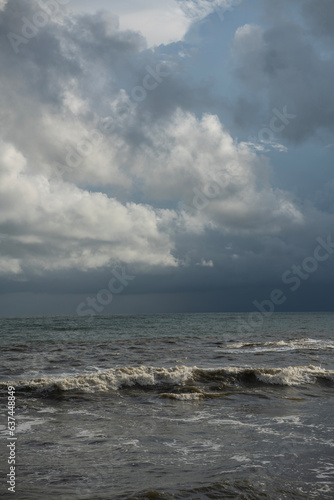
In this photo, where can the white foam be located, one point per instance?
(240, 458)
(293, 375)
(182, 397)
(292, 419)
(282, 345)
(145, 376)
(48, 410)
(326, 471)
(88, 434)
(129, 442)
(114, 379)
(26, 426)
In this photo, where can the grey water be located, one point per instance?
(170, 406)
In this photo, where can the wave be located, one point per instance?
(170, 381)
(282, 345)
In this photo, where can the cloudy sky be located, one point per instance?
(186, 145)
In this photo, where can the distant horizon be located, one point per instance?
(160, 313)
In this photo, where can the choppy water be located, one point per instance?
(170, 406)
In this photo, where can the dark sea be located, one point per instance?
(170, 406)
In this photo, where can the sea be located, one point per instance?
(168, 406)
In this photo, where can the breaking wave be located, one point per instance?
(296, 344)
(194, 382)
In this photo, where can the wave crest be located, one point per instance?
(169, 379)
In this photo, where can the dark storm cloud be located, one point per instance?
(320, 16)
(165, 190)
(284, 63)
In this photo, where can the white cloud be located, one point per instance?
(205, 263)
(59, 226)
(9, 266)
(224, 182)
(56, 224)
(248, 37)
(159, 22)
(265, 146)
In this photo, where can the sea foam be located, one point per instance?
(148, 377)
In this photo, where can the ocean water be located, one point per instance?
(184, 406)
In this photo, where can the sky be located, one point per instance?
(171, 156)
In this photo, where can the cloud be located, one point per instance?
(159, 23)
(197, 10)
(69, 227)
(223, 182)
(91, 176)
(320, 17)
(162, 22)
(205, 263)
(58, 226)
(289, 69)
